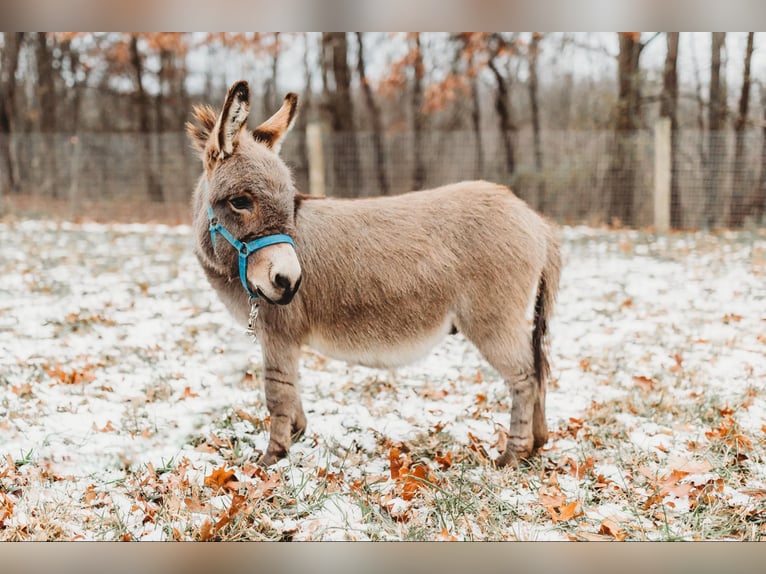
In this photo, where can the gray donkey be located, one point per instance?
(375, 281)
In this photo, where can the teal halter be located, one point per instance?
(244, 249)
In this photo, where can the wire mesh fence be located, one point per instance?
(591, 177)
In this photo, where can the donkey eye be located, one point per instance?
(241, 203)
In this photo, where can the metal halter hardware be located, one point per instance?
(243, 249)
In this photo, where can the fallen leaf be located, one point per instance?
(414, 480)
(566, 512)
(245, 416)
(646, 383)
(444, 461)
(757, 493)
(445, 535)
(237, 502)
(395, 461)
(206, 531)
(188, 394)
(689, 466)
(611, 528)
(221, 478)
(106, 428)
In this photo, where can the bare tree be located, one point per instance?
(620, 180)
(503, 104)
(336, 80)
(270, 98)
(716, 120)
(737, 212)
(669, 109)
(9, 176)
(416, 102)
(534, 99)
(757, 205)
(153, 186)
(46, 92)
(374, 112)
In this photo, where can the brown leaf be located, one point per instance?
(444, 461)
(221, 478)
(106, 428)
(188, 394)
(566, 512)
(610, 528)
(395, 461)
(689, 466)
(445, 535)
(551, 497)
(245, 416)
(645, 383)
(237, 502)
(206, 531)
(414, 480)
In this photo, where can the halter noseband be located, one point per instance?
(243, 249)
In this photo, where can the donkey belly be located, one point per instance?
(379, 352)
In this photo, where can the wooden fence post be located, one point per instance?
(316, 159)
(662, 175)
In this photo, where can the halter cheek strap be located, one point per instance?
(244, 249)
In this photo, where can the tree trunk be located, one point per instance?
(9, 175)
(534, 50)
(669, 109)
(621, 179)
(737, 213)
(757, 205)
(301, 172)
(476, 119)
(416, 101)
(46, 92)
(270, 97)
(503, 108)
(153, 187)
(338, 103)
(374, 113)
(716, 137)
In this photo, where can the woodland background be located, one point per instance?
(91, 124)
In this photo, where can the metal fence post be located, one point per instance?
(662, 174)
(316, 159)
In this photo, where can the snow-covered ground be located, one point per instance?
(131, 405)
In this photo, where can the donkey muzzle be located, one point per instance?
(275, 273)
(289, 288)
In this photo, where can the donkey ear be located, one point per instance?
(233, 116)
(272, 131)
(199, 133)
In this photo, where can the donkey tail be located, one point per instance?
(547, 289)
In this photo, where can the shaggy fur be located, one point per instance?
(382, 279)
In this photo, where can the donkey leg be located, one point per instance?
(521, 441)
(282, 397)
(508, 348)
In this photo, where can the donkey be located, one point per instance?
(376, 281)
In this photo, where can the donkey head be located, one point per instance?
(249, 194)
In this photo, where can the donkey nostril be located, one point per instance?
(282, 281)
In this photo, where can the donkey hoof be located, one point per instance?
(512, 458)
(298, 429)
(269, 458)
(297, 433)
